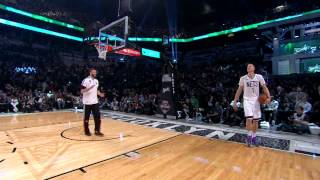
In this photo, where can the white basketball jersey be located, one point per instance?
(90, 97)
(251, 86)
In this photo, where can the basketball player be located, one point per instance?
(250, 85)
(89, 89)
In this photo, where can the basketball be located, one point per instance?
(263, 99)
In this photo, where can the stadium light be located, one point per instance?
(180, 40)
(39, 17)
(40, 30)
(137, 39)
(233, 30)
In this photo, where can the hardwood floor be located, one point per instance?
(53, 144)
(37, 119)
(191, 157)
(49, 154)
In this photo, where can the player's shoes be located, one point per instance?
(87, 133)
(254, 142)
(249, 141)
(97, 133)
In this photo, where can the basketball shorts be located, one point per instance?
(252, 109)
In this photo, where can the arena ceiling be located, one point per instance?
(188, 16)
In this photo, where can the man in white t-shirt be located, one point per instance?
(250, 85)
(89, 89)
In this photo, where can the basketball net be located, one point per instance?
(103, 50)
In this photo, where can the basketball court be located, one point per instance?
(164, 146)
(53, 146)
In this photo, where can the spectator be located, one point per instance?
(298, 123)
(306, 106)
(297, 95)
(14, 103)
(115, 104)
(194, 103)
(270, 111)
(279, 95)
(214, 113)
(186, 113)
(60, 101)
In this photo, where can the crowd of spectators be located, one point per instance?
(203, 89)
(29, 85)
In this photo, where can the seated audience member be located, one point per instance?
(270, 111)
(186, 111)
(14, 103)
(298, 123)
(115, 104)
(60, 101)
(214, 113)
(306, 105)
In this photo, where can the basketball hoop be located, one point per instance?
(103, 50)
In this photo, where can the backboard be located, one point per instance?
(113, 37)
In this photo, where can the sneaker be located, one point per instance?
(87, 133)
(248, 141)
(97, 133)
(254, 142)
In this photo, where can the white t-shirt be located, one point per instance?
(90, 97)
(251, 86)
